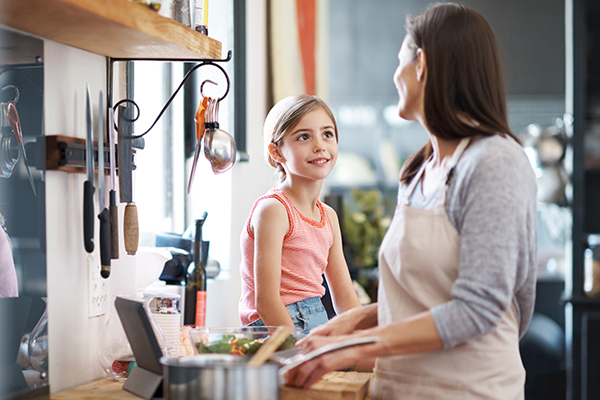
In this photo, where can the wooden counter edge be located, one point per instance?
(342, 385)
(106, 388)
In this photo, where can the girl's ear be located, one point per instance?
(275, 153)
(421, 65)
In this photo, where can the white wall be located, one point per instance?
(74, 336)
(250, 179)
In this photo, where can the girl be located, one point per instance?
(291, 238)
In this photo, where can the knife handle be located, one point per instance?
(88, 216)
(131, 229)
(105, 249)
(114, 226)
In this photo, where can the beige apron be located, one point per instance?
(418, 264)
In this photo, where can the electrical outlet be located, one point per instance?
(98, 288)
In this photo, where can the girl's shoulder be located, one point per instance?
(269, 214)
(329, 210)
(271, 202)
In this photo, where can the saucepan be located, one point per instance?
(234, 377)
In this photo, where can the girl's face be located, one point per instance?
(310, 149)
(409, 80)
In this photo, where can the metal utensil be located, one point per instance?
(113, 209)
(200, 119)
(219, 146)
(88, 185)
(15, 123)
(104, 215)
(131, 230)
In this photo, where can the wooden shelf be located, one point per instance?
(114, 28)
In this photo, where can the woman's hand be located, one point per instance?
(347, 322)
(310, 372)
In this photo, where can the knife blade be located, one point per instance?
(113, 209)
(88, 185)
(103, 216)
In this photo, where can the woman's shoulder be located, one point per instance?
(497, 148)
(495, 164)
(498, 155)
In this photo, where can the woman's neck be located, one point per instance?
(442, 149)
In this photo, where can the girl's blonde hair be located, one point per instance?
(283, 117)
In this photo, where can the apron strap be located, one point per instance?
(450, 170)
(413, 184)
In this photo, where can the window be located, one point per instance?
(163, 166)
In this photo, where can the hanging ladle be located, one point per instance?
(219, 146)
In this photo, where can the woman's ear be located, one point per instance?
(421, 65)
(275, 153)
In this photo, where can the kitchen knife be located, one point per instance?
(113, 209)
(104, 215)
(88, 185)
(131, 232)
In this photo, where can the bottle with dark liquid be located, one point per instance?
(195, 287)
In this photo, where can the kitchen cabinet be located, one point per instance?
(583, 311)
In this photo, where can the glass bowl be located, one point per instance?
(245, 340)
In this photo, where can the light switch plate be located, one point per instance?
(98, 288)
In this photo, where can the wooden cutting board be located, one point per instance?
(333, 386)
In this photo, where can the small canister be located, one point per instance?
(165, 311)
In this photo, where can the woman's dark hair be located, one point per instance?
(464, 92)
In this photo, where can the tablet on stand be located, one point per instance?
(145, 379)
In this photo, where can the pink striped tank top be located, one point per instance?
(303, 258)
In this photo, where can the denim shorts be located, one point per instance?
(306, 314)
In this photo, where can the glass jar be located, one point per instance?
(166, 313)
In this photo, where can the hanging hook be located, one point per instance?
(202, 86)
(202, 64)
(16, 91)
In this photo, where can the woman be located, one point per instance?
(458, 263)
